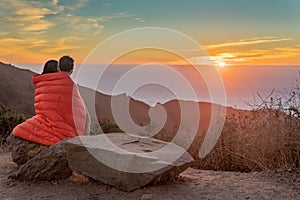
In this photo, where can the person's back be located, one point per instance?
(60, 111)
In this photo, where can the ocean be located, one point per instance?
(234, 86)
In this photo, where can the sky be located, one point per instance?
(233, 32)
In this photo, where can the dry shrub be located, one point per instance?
(103, 125)
(264, 139)
(109, 127)
(8, 120)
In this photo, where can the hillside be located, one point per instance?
(17, 89)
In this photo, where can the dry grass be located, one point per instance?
(264, 139)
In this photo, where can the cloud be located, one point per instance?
(227, 58)
(201, 60)
(61, 48)
(94, 25)
(46, 28)
(247, 56)
(30, 11)
(79, 4)
(120, 15)
(20, 42)
(39, 26)
(14, 47)
(54, 2)
(28, 15)
(248, 42)
(139, 19)
(84, 26)
(4, 33)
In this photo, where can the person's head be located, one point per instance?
(51, 66)
(66, 64)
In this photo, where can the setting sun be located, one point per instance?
(221, 64)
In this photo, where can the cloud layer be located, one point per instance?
(48, 28)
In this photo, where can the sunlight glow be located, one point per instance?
(222, 64)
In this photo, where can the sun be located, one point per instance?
(222, 64)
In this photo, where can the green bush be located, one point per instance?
(8, 120)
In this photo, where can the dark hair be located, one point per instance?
(66, 64)
(50, 67)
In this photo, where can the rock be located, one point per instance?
(47, 165)
(23, 150)
(146, 196)
(125, 161)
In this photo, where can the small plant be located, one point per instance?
(287, 101)
(8, 120)
(109, 127)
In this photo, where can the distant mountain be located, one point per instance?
(16, 89)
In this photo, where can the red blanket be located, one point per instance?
(60, 111)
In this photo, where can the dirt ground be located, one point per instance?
(192, 184)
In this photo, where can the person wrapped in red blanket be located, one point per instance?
(60, 110)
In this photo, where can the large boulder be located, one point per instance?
(49, 164)
(125, 161)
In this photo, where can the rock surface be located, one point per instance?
(127, 162)
(49, 164)
(23, 150)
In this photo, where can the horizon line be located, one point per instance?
(229, 65)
